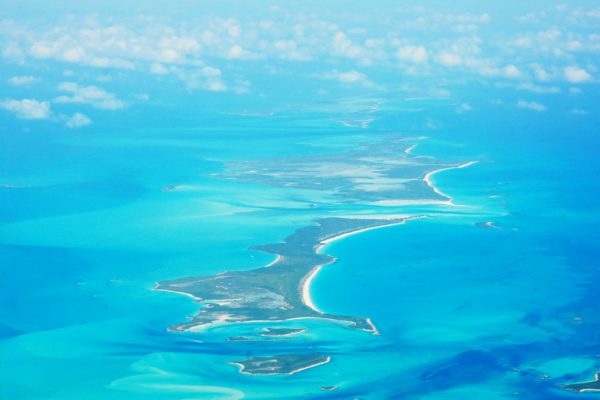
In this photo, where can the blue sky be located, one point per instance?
(71, 66)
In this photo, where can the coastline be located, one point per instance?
(298, 332)
(304, 285)
(243, 371)
(308, 279)
(157, 288)
(224, 321)
(275, 261)
(429, 182)
(227, 306)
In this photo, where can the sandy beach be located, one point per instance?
(307, 281)
(224, 321)
(298, 332)
(275, 261)
(241, 366)
(429, 182)
(158, 289)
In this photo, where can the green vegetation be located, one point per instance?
(585, 386)
(271, 293)
(282, 331)
(282, 364)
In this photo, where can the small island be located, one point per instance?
(593, 386)
(237, 338)
(285, 364)
(282, 331)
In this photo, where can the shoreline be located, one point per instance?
(285, 334)
(157, 288)
(223, 322)
(308, 279)
(429, 182)
(303, 288)
(275, 261)
(242, 368)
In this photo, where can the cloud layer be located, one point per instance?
(27, 108)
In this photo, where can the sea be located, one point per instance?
(494, 296)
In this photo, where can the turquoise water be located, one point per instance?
(494, 297)
(491, 312)
(464, 311)
(119, 126)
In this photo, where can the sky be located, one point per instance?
(78, 65)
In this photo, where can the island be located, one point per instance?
(282, 331)
(593, 386)
(287, 364)
(237, 338)
(373, 175)
(279, 291)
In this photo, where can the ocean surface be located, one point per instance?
(493, 297)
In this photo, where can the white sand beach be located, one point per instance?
(242, 370)
(307, 281)
(158, 289)
(429, 182)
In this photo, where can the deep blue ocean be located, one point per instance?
(465, 311)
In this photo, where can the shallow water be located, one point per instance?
(464, 311)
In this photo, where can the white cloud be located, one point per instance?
(106, 62)
(576, 74)
(288, 50)
(78, 120)
(538, 89)
(540, 73)
(92, 95)
(237, 52)
(450, 59)
(73, 54)
(465, 28)
(345, 47)
(42, 50)
(206, 78)
(27, 108)
(179, 46)
(348, 77)
(511, 71)
(158, 69)
(414, 54)
(531, 105)
(351, 76)
(22, 80)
